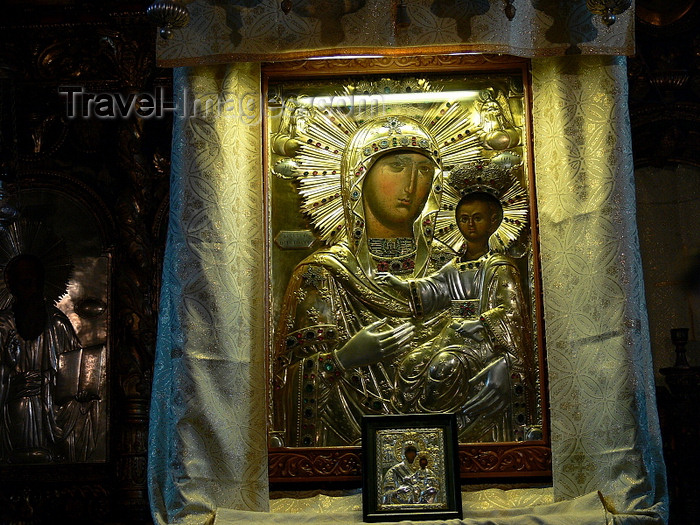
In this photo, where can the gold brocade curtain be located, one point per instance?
(605, 433)
(207, 445)
(258, 30)
(207, 437)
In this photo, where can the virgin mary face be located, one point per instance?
(396, 188)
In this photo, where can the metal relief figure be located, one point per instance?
(411, 469)
(339, 331)
(411, 482)
(46, 412)
(426, 483)
(372, 188)
(32, 336)
(497, 129)
(399, 485)
(489, 337)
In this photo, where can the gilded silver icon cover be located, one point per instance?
(401, 272)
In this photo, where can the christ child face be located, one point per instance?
(477, 221)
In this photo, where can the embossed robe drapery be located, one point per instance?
(208, 441)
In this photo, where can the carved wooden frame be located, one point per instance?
(519, 460)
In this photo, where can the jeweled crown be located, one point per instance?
(481, 176)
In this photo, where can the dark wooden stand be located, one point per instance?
(680, 431)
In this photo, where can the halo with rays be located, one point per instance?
(324, 133)
(31, 237)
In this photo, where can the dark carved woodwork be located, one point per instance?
(36, 498)
(680, 431)
(119, 167)
(481, 460)
(664, 91)
(664, 98)
(136, 206)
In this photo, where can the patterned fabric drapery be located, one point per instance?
(207, 441)
(207, 436)
(254, 30)
(605, 433)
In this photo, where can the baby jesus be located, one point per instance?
(468, 372)
(455, 285)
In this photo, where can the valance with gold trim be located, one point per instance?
(223, 31)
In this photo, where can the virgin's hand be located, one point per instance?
(471, 329)
(386, 278)
(495, 394)
(372, 345)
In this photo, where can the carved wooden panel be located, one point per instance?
(117, 168)
(340, 464)
(484, 460)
